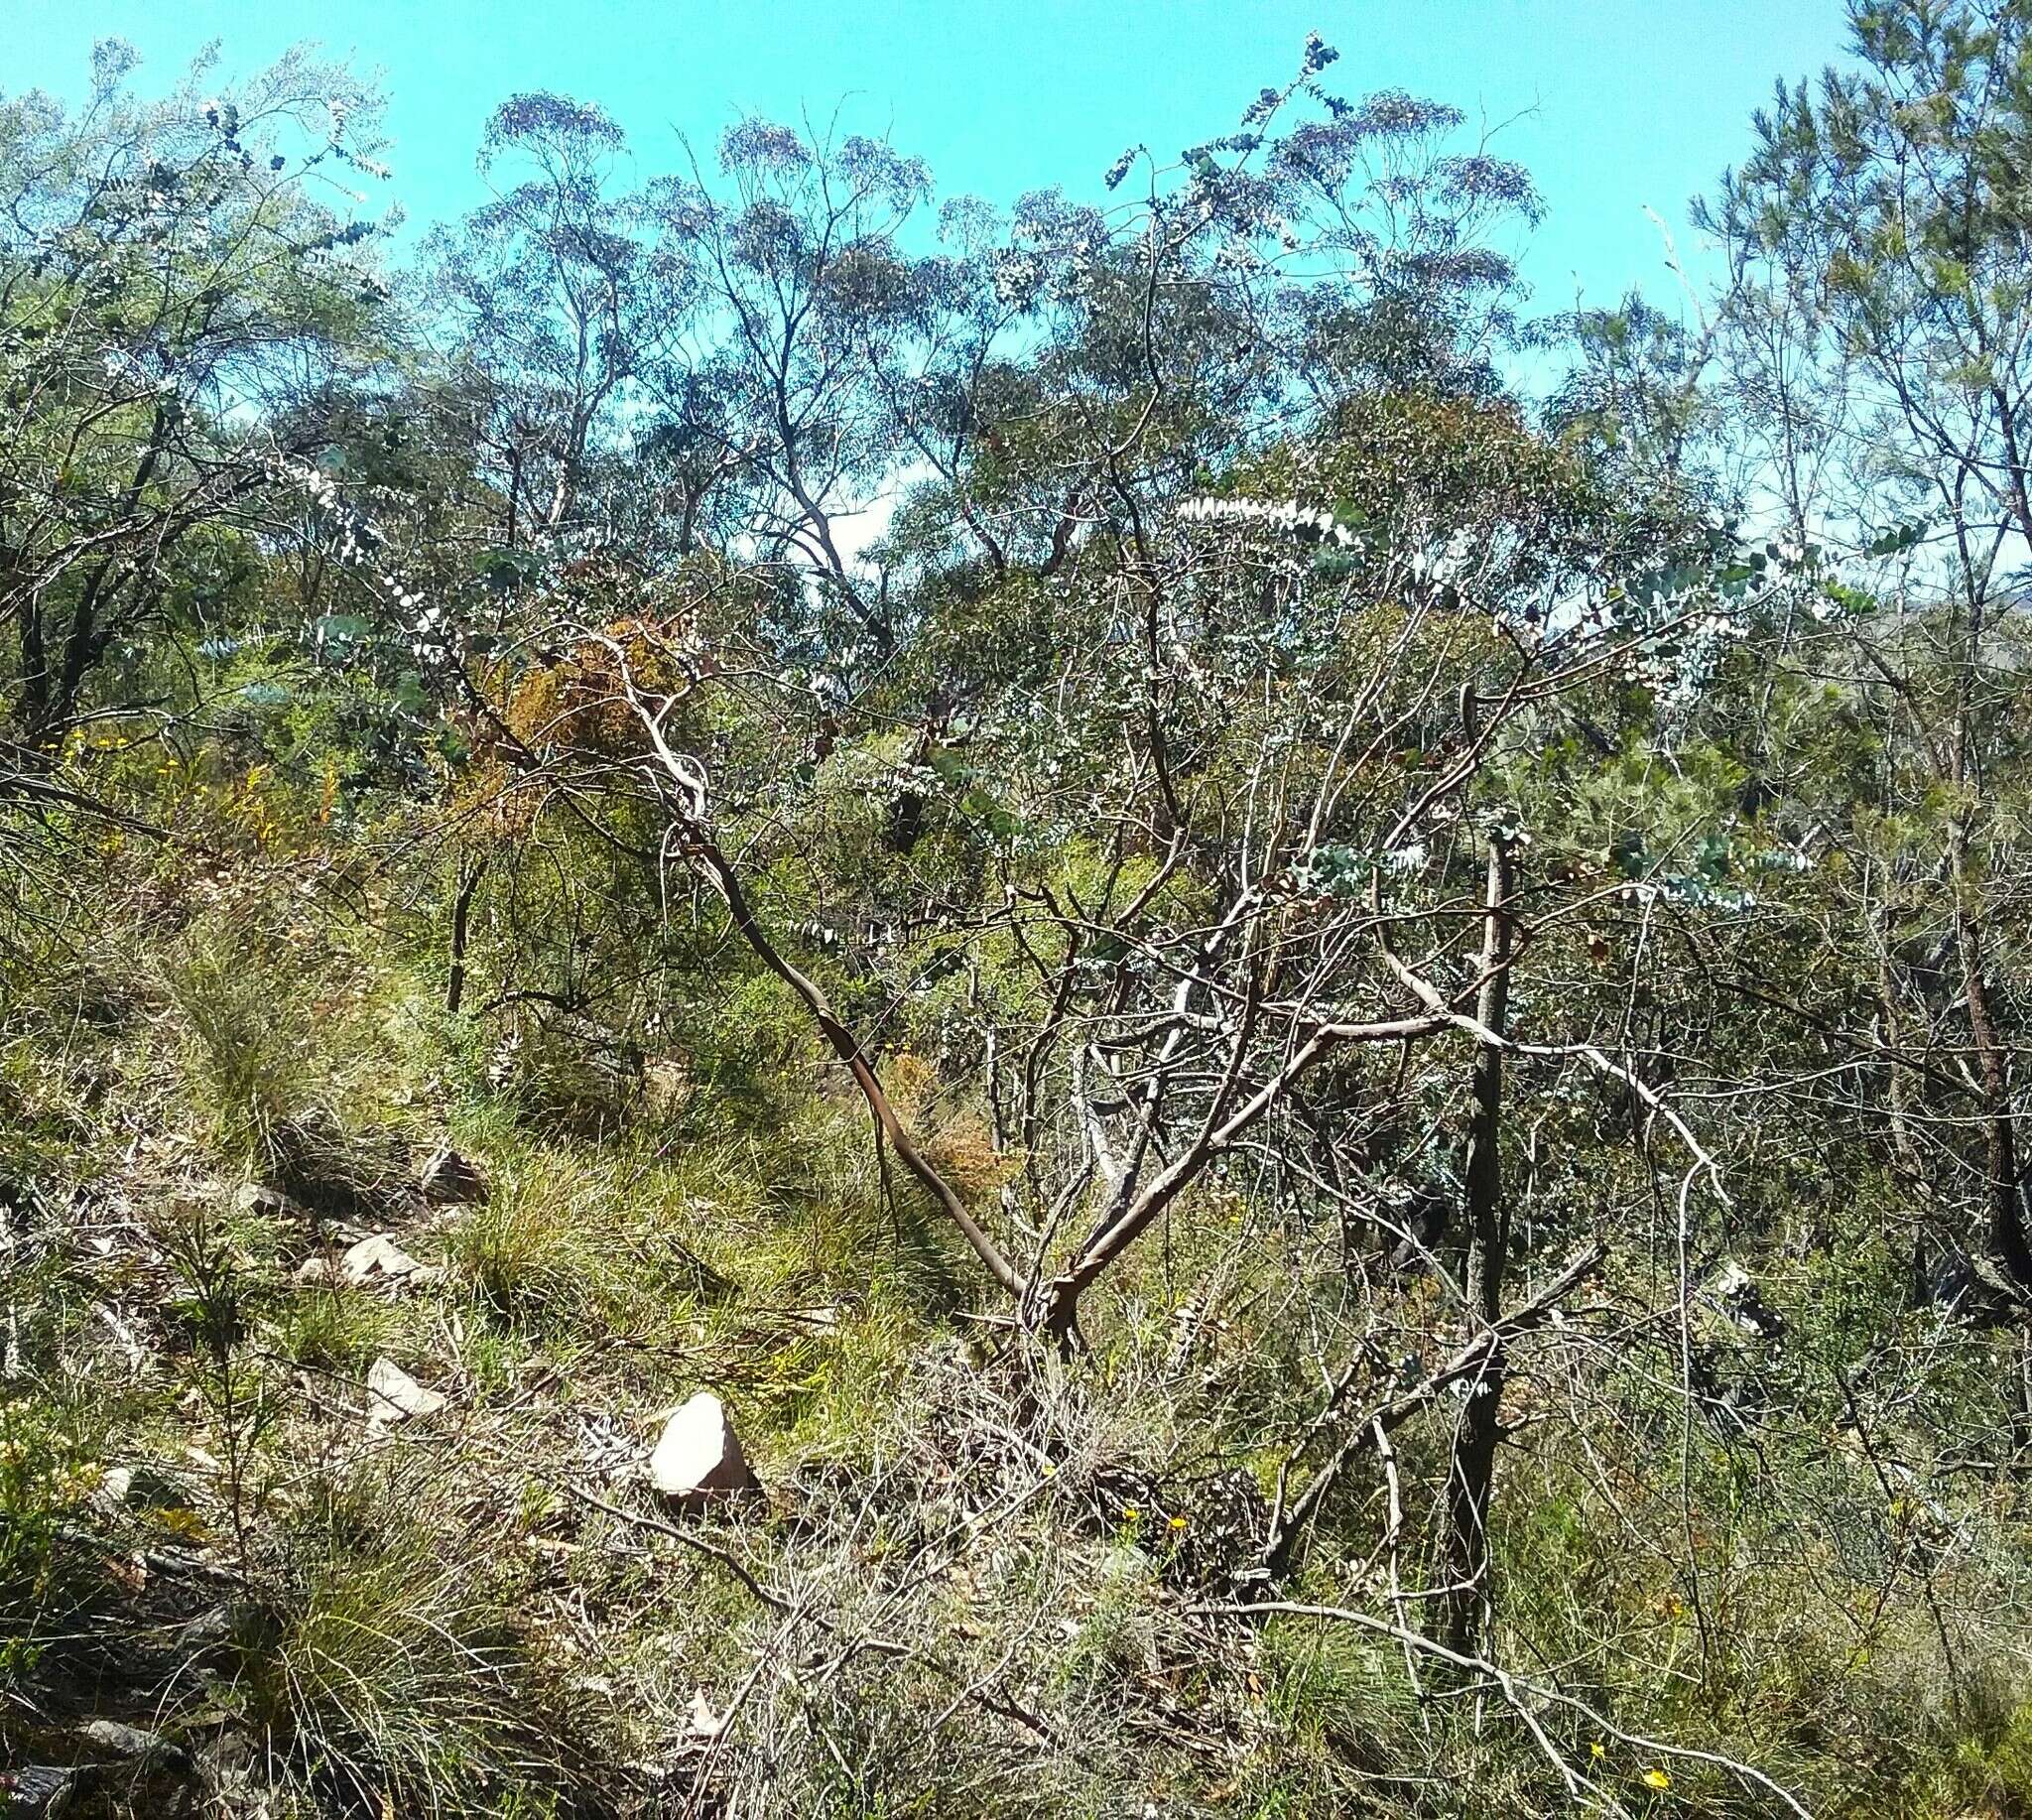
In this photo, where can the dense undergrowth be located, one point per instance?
(1328, 1065)
(983, 1580)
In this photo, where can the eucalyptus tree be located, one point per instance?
(556, 298)
(795, 242)
(1879, 337)
(1172, 798)
(185, 286)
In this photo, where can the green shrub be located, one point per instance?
(48, 1477)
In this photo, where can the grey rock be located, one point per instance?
(35, 1790)
(378, 1259)
(227, 1763)
(211, 1625)
(394, 1397)
(116, 1484)
(698, 1461)
(451, 1180)
(132, 1743)
(373, 1262)
(267, 1202)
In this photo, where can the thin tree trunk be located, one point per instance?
(461, 915)
(1467, 1605)
(2008, 1242)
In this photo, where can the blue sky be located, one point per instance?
(1615, 105)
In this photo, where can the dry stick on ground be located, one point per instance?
(775, 1602)
(1515, 1690)
(657, 1526)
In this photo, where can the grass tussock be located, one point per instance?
(982, 1579)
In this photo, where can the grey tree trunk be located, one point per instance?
(1467, 1605)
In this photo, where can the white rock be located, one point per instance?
(705, 1723)
(266, 1203)
(377, 1259)
(115, 1487)
(394, 1397)
(698, 1458)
